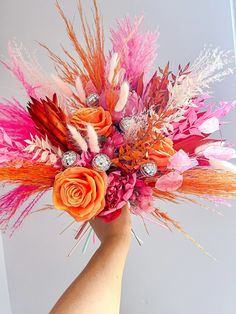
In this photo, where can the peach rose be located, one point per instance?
(161, 152)
(80, 192)
(99, 118)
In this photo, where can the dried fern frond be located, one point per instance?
(43, 150)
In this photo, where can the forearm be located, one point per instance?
(97, 289)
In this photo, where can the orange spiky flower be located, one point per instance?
(50, 120)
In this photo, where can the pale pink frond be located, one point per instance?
(137, 49)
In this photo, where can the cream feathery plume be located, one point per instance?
(77, 137)
(80, 89)
(93, 139)
(222, 165)
(62, 86)
(113, 64)
(123, 98)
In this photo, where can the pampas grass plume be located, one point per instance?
(123, 98)
(77, 137)
(93, 139)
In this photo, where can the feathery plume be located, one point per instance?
(137, 50)
(77, 137)
(222, 165)
(113, 64)
(93, 139)
(123, 98)
(62, 86)
(80, 89)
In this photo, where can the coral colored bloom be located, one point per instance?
(161, 152)
(119, 191)
(100, 119)
(80, 192)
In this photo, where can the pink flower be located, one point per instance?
(142, 199)
(119, 191)
(112, 143)
(85, 159)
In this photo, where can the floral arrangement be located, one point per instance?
(101, 133)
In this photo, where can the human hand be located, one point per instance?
(118, 229)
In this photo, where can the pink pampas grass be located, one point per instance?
(13, 200)
(15, 68)
(77, 137)
(123, 97)
(93, 139)
(80, 89)
(16, 121)
(29, 73)
(65, 89)
(137, 50)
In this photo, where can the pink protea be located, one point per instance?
(119, 191)
(133, 107)
(142, 199)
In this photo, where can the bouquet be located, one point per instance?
(102, 132)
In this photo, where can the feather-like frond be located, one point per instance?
(29, 73)
(203, 182)
(137, 50)
(123, 97)
(91, 56)
(79, 141)
(80, 89)
(93, 139)
(12, 201)
(42, 150)
(30, 173)
(16, 121)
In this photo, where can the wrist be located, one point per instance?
(117, 241)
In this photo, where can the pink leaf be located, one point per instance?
(210, 125)
(169, 182)
(181, 162)
(219, 152)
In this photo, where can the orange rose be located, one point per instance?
(100, 119)
(80, 192)
(161, 152)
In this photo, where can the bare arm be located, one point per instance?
(97, 289)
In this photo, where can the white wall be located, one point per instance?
(5, 307)
(168, 275)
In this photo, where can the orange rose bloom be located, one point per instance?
(80, 192)
(100, 119)
(161, 152)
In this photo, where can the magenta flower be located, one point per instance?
(119, 191)
(142, 199)
(113, 142)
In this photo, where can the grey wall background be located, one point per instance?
(5, 306)
(167, 275)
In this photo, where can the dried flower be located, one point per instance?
(119, 191)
